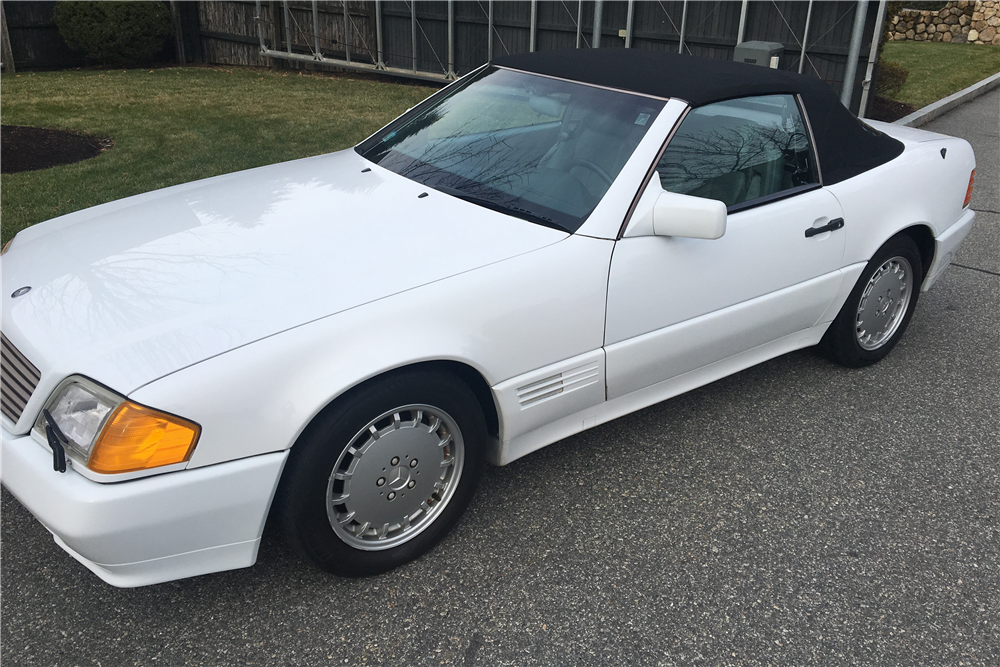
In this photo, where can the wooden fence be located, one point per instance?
(421, 39)
(33, 39)
(230, 30)
(439, 40)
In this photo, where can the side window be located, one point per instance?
(739, 150)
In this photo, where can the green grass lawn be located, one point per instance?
(176, 125)
(938, 69)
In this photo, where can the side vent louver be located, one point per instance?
(554, 385)
(18, 380)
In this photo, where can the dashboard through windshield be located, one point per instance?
(541, 149)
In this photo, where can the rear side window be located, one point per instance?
(739, 151)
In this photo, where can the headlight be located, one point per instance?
(79, 408)
(110, 434)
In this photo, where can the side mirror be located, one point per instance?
(662, 213)
(691, 217)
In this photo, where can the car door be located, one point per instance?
(678, 304)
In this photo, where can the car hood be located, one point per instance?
(133, 290)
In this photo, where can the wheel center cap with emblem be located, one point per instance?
(886, 303)
(398, 478)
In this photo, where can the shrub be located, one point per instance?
(891, 77)
(926, 6)
(115, 33)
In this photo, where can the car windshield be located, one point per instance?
(542, 149)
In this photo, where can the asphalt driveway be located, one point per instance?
(796, 513)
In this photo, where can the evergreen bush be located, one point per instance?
(115, 33)
(891, 77)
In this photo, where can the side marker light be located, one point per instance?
(968, 193)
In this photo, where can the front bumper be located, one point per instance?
(148, 530)
(945, 247)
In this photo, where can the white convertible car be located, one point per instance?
(343, 342)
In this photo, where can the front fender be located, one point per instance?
(503, 320)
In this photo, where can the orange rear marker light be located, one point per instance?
(139, 438)
(968, 193)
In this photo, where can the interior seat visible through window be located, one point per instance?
(596, 140)
(739, 150)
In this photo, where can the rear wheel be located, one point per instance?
(879, 308)
(381, 476)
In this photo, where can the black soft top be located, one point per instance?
(846, 146)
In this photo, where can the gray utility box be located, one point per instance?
(767, 54)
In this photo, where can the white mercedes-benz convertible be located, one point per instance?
(342, 342)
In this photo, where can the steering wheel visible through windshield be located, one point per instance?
(542, 149)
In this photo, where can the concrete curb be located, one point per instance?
(935, 109)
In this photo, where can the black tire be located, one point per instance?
(411, 413)
(884, 298)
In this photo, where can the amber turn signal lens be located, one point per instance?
(968, 193)
(139, 438)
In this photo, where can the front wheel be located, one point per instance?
(879, 308)
(381, 476)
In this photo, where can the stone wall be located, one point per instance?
(973, 21)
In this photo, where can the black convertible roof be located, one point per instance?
(846, 146)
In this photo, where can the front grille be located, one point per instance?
(17, 381)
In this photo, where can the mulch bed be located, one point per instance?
(889, 110)
(32, 148)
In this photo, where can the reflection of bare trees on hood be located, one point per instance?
(242, 207)
(247, 208)
(137, 291)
